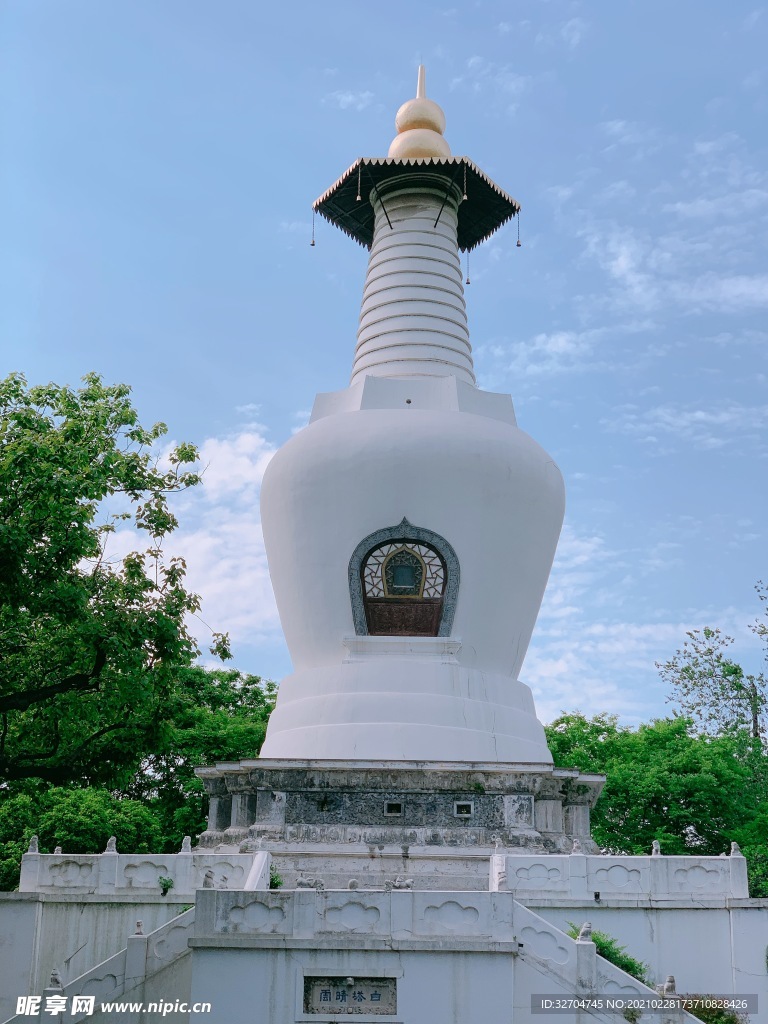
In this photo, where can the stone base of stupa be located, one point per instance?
(374, 824)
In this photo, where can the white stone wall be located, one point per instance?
(72, 933)
(467, 958)
(83, 912)
(708, 949)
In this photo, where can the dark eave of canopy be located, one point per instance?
(485, 209)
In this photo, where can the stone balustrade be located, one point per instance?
(659, 878)
(113, 873)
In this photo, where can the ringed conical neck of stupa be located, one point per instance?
(413, 318)
(416, 210)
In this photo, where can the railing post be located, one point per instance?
(135, 970)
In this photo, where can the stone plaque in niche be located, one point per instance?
(344, 996)
(518, 810)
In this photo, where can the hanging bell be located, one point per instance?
(312, 242)
(519, 243)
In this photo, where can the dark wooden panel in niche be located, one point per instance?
(391, 616)
(403, 564)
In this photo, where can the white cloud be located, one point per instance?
(570, 32)
(708, 428)
(724, 206)
(752, 19)
(619, 190)
(505, 84)
(227, 566)
(588, 653)
(295, 227)
(652, 272)
(573, 31)
(301, 420)
(630, 134)
(580, 659)
(549, 353)
(221, 541)
(713, 291)
(346, 99)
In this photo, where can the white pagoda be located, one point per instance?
(410, 530)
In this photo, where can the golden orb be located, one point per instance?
(420, 113)
(419, 142)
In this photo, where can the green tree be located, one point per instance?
(691, 792)
(88, 646)
(78, 820)
(713, 689)
(212, 715)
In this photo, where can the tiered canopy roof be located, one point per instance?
(419, 152)
(484, 210)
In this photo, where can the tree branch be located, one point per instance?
(49, 753)
(15, 768)
(79, 681)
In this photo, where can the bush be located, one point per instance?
(712, 1015)
(609, 949)
(275, 880)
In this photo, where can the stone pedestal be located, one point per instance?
(367, 822)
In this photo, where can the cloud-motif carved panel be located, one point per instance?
(255, 917)
(102, 986)
(72, 873)
(172, 943)
(618, 877)
(226, 875)
(698, 877)
(452, 917)
(536, 875)
(615, 987)
(544, 944)
(352, 917)
(144, 874)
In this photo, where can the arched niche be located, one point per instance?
(403, 581)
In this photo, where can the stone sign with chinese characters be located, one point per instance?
(350, 995)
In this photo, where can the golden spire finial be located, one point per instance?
(420, 125)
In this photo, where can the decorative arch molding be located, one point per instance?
(404, 532)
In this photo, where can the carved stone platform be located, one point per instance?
(436, 818)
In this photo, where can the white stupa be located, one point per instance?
(410, 528)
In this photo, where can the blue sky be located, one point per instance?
(159, 163)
